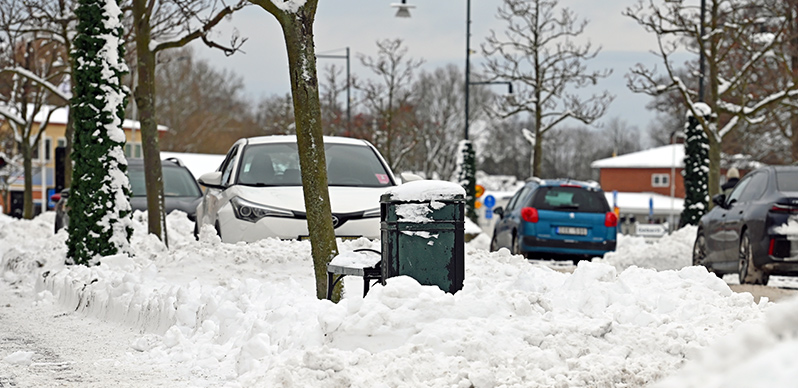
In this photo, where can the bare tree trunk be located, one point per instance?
(714, 167)
(145, 104)
(27, 163)
(298, 31)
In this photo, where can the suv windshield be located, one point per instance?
(278, 165)
(177, 182)
(568, 198)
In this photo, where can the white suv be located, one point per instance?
(257, 191)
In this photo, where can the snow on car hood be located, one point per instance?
(343, 199)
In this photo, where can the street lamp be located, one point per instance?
(348, 83)
(402, 9)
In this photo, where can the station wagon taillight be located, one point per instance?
(610, 220)
(529, 214)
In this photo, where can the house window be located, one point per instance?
(46, 144)
(660, 180)
(133, 150)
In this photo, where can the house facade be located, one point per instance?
(656, 170)
(48, 159)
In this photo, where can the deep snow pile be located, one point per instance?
(672, 251)
(246, 315)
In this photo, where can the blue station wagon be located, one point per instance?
(556, 219)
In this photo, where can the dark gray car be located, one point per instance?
(181, 191)
(752, 231)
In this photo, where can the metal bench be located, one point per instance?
(368, 274)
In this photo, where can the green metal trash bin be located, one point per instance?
(422, 233)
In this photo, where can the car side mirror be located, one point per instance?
(211, 179)
(410, 177)
(719, 199)
(499, 212)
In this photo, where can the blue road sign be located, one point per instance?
(488, 213)
(651, 207)
(50, 203)
(489, 201)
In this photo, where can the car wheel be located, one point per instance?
(494, 246)
(700, 251)
(196, 230)
(749, 273)
(59, 223)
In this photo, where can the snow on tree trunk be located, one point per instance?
(296, 18)
(99, 209)
(145, 103)
(696, 169)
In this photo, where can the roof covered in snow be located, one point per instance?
(668, 156)
(60, 115)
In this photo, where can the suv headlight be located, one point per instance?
(253, 212)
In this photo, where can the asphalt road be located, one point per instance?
(774, 294)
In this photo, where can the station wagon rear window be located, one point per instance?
(566, 198)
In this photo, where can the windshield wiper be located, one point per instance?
(259, 184)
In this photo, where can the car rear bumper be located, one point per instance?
(781, 265)
(567, 247)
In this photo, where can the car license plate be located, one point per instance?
(572, 231)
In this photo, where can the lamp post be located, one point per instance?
(403, 10)
(673, 176)
(701, 54)
(348, 84)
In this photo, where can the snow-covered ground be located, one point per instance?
(207, 314)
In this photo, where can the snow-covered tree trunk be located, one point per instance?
(296, 19)
(696, 169)
(144, 95)
(99, 209)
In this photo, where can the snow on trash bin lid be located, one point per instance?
(425, 190)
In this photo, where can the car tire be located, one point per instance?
(494, 246)
(196, 230)
(700, 251)
(59, 223)
(749, 273)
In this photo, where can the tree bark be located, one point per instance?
(298, 31)
(27, 164)
(145, 103)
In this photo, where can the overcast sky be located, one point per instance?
(436, 33)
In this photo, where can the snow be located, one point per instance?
(425, 190)
(244, 315)
(354, 259)
(668, 156)
(789, 229)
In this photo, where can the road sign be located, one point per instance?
(480, 190)
(650, 207)
(490, 201)
(488, 213)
